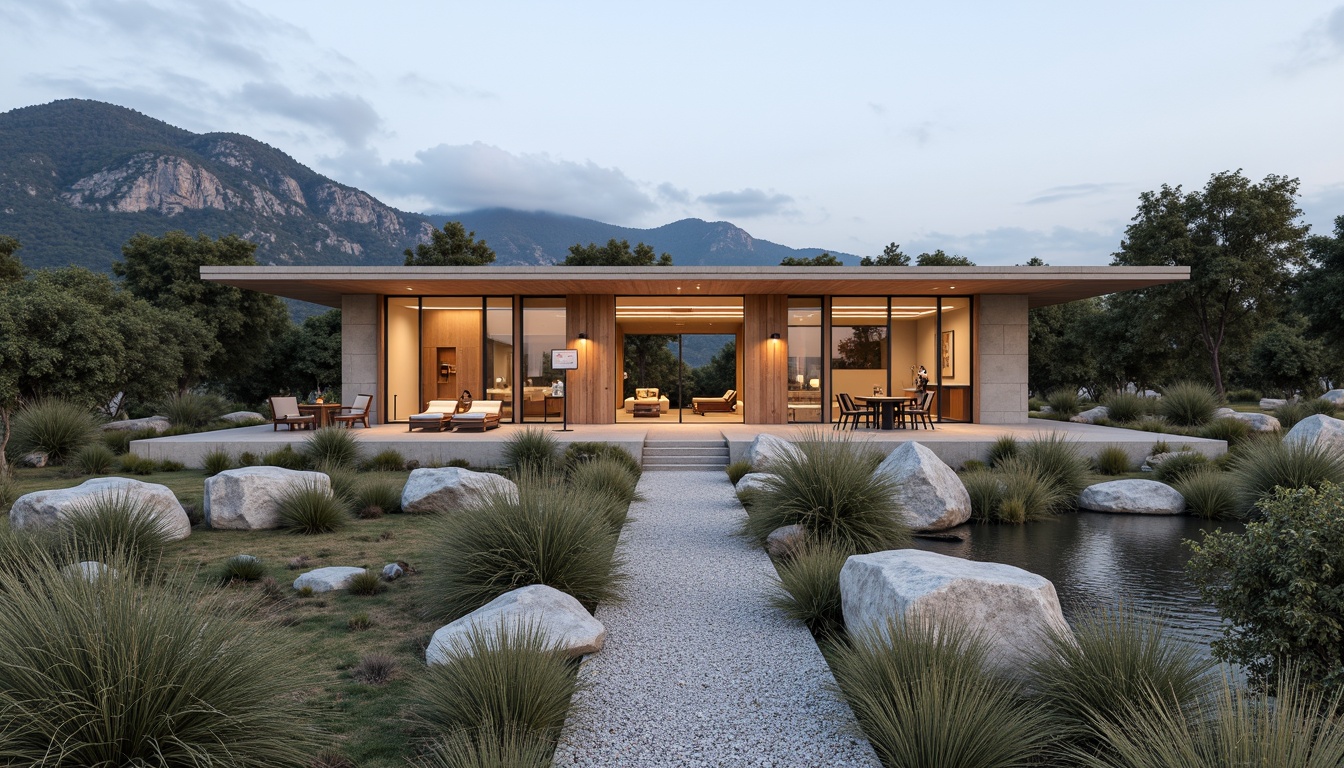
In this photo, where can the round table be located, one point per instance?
(888, 405)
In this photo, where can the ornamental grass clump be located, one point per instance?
(1111, 663)
(373, 492)
(367, 583)
(94, 459)
(191, 410)
(738, 470)
(118, 440)
(1322, 406)
(1209, 493)
(113, 672)
(1003, 447)
(332, 447)
(242, 568)
(809, 588)
(531, 450)
(579, 453)
(920, 691)
(216, 461)
(114, 525)
(607, 478)
(1113, 460)
(509, 677)
(388, 460)
(1261, 466)
(547, 534)
(488, 747)
(1188, 404)
(51, 425)
(1058, 461)
(1063, 401)
(985, 489)
(1178, 465)
(1290, 413)
(1126, 406)
(310, 508)
(828, 486)
(1230, 430)
(285, 458)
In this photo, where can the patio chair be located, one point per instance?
(437, 415)
(919, 411)
(359, 412)
(285, 410)
(484, 414)
(851, 412)
(725, 404)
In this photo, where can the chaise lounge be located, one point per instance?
(437, 415)
(484, 414)
(725, 404)
(285, 410)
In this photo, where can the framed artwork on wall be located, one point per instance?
(947, 355)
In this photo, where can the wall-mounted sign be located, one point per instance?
(565, 359)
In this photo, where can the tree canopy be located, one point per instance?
(616, 253)
(453, 246)
(11, 269)
(1240, 240)
(891, 257)
(940, 259)
(165, 271)
(1320, 295)
(820, 260)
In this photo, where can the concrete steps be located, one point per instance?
(685, 455)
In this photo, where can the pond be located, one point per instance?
(1096, 560)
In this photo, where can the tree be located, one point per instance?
(1320, 295)
(719, 374)
(940, 259)
(165, 271)
(11, 269)
(304, 358)
(1054, 340)
(1240, 241)
(1280, 586)
(1035, 261)
(820, 260)
(454, 246)
(1283, 359)
(891, 257)
(616, 253)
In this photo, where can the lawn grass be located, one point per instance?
(369, 723)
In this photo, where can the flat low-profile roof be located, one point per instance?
(1042, 285)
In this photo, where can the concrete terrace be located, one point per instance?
(953, 443)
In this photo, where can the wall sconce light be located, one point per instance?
(583, 337)
(774, 337)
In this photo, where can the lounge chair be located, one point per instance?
(285, 410)
(725, 404)
(359, 412)
(484, 414)
(437, 415)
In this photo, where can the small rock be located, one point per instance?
(784, 540)
(1270, 403)
(392, 572)
(1092, 415)
(1134, 497)
(932, 496)
(327, 579)
(1158, 459)
(237, 416)
(1335, 396)
(1260, 422)
(89, 570)
(1224, 413)
(429, 491)
(560, 618)
(767, 449)
(157, 423)
(36, 460)
(1318, 429)
(754, 481)
(1046, 409)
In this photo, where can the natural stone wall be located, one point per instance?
(359, 352)
(1001, 370)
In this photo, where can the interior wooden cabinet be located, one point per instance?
(451, 353)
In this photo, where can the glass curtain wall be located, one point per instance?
(954, 360)
(445, 347)
(543, 331)
(499, 354)
(403, 359)
(805, 360)
(860, 355)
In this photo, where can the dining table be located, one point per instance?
(888, 406)
(323, 411)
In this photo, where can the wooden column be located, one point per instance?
(765, 361)
(591, 389)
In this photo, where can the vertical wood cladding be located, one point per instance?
(765, 361)
(459, 330)
(591, 390)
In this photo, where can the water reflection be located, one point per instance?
(1102, 560)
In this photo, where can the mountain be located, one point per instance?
(79, 178)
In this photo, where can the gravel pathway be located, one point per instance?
(698, 670)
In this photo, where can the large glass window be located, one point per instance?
(954, 360)
(859, 349)
(499, 354)
(543, 331)
(805, 360)
(403, 359)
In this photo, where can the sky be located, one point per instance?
(998, 131)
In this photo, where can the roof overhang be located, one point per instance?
(1042, 285)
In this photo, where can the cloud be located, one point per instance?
(1071, 192)
(748, 203)
(1321, 43)
(1003, 246)
(417, 83)
(349, 118)
(1320, 208)
(673, 194)
(920, 133)
(877, 109)
(464, 177)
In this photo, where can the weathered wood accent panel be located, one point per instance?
(765, 361)
(592, 390)
(460, 331)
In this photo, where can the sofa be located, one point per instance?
(647, 395)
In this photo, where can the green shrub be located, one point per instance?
(1290, 413)
(607, 479)
(1188, 404)
(1209, 493)
(1026, 494)
(389, 460)
(381, 493)
(117, 440)
(311, 508)
(94, 459)
(359, 622)
(192, 410)
(1111, 663)
(1151, 424)
(1113, 460)
(531, 450)
(134, 464)
(53, 426)
(1063, 401)
(1279, 586)
(828, 486)
(1035, 403)
(332, 447)
(809, 583)
(1242, 730)
(973, 465)
(550, 534)
(285, 458)
(738, 470)
(463, 463)
(1322, 406)
(1243, 396)
(216, 461)
(248, 459)
(1178, 465)
(171, 465)
(488, 747)
(116, 672)
(242, 568)
(1232, 431)
(923, 698)
(506, 677)
(1057, 460)
(1126, 406)
(1003, 447)
(367, 583)
(578, 453)
(1260, 466)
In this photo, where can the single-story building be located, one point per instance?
(802, 335)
